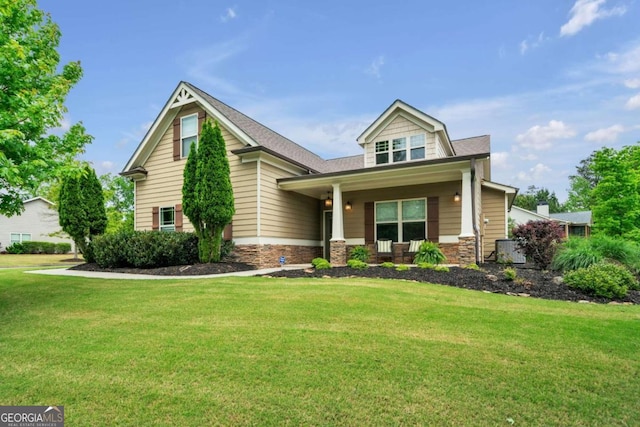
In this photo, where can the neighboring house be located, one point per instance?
(574, 223)
(411, 182)
(38, 220)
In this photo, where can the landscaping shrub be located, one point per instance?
(357, 264)
(402, 267)
(226, 249)
(510, 273)
(63, 248)
(575, 253)
(429, 252)
(32, 247)
(441, 268)
(320, 264)
(47, 247)
(603, 279)
(144, 249)
(539, 240)
(361, 253)
(387, 264)
(624, 251)
(472, 266)
(426, 265)
(15, 248)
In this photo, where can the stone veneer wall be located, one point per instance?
(462, 253)
(338, 253)
(267, 256)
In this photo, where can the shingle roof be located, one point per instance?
(345, 163)
(265, 136)
(583, 217)
(474, 145)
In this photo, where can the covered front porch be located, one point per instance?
(424, 200)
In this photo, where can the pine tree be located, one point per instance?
(94, 203)
(207, 194)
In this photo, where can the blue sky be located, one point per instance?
(550, 80)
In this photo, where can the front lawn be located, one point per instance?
(266, 351)
(27, 260)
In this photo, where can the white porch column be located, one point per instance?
(466, 226)
(338, 215)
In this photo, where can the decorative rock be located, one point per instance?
(524, 295)
(492, 277)
(558, 280)
(583, 301)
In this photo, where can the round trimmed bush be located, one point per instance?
(603, 279)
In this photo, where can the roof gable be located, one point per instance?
(401, 108)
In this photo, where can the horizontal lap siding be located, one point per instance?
(399, 127)
(493, 208)
(449, 210)
(163, 186)
(286, 214)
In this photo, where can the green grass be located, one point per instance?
(27, 260)
(261, 351)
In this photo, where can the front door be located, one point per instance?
(328, 230)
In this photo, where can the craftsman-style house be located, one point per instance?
(412, 182)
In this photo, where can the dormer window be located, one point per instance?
(401, 149)
(188, 133)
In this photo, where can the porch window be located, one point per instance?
(402, 220)
(167, 219)
(188, 133)
(401, 149)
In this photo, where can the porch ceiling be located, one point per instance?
(379, 177)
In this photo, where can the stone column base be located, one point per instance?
(466, 251)
(338, 256)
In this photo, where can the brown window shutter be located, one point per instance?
(433, 219)
(228, 232)
(155, 218)
(176, 138)
(202, 115)
(369, 223)
(178, 217)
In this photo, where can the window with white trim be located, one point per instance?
(20, 237)
(401, 149)
(168, 219)
(401, 220)
(188, 133)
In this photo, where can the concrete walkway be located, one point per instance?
(128, 276)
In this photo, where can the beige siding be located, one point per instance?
(493, 208)
(286, 214)
(399, 127)
(163, 186)
(449, 216)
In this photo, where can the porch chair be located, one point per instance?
(414, 247)
(384, 249)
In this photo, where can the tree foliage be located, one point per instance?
(81, 208)
(32, 94)
(118, 197)
(530, 199)
(207, 195)
(615, 199)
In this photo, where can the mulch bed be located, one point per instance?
(530, 282)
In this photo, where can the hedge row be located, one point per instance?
(33, 247)
(143, 249)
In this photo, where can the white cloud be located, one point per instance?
(229, 15)
(500, 159)
(585, 13)
(374, 68)
(532, 43)
(524, 46)
(534, 174)
(107, 165)
(632, 83)
(609, 134)
(541, 137)
(633, 102)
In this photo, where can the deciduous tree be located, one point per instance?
(32, 93)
